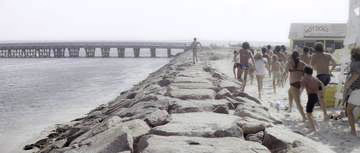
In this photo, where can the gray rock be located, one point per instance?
(164, 82)
(230, 85)
(258, 137)
(157, 118)
(182, 144)
(203, 124)
(191, 80)
(193, 85)
(253, 111)
(197, 94)
(114, 139)
(223, 93)
(280, 139)
(186, 106)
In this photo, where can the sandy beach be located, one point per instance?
(334, 134)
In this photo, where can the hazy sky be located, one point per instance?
(260, 20)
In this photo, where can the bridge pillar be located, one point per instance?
(44, 53)
(136, 52)
(2, 53)
(59, 52)
(23, 53)
(153, 52)
(169, 52)
(121, 52)
(33, 53)
(90, 52)
(105, 52)
(74, 52)
(11, 53)
(16, 53)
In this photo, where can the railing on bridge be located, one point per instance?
(59, 49)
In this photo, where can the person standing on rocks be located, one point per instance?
(305, 57)
(245, 55)
(314, 89)
(353, 85)
(260, 71)
(296, 69)
(195, 47)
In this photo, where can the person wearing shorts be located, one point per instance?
(260, 71)
(353, 84)
(321, 62)
(245, 55)
(314, 89)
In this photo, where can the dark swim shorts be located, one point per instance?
(312, 100)
(244, 66)
(324, 78)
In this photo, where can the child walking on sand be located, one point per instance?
(314, 89)
(260, 71)
(276, 72)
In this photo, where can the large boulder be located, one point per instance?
(203, 124)
(157, 118)
(186, 106)
(279, 139)
(256, 112)
(197, 94)
(196, 85)
(191, 80)
(183, 144)
(115, 139)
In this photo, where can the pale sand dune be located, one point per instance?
(333, 134)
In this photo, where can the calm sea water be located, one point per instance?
(36, 94)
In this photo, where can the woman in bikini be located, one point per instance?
(296, 69)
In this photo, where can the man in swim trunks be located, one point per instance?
(245, 55)
(314, 89)
(296, 68)
(321, 62)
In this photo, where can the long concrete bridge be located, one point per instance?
(59, 49)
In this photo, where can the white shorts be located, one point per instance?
(355, 97)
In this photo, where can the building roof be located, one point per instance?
(303, 31)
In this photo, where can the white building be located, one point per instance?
(353, 28)
(332, 35)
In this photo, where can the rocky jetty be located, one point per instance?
(181, 108)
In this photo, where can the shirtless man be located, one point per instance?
(296, 68)
(321, 62)
(245, 55)
(305, 57)
(314, 89)
(194, 46)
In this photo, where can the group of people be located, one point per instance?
(249, 62)
(299, 70)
